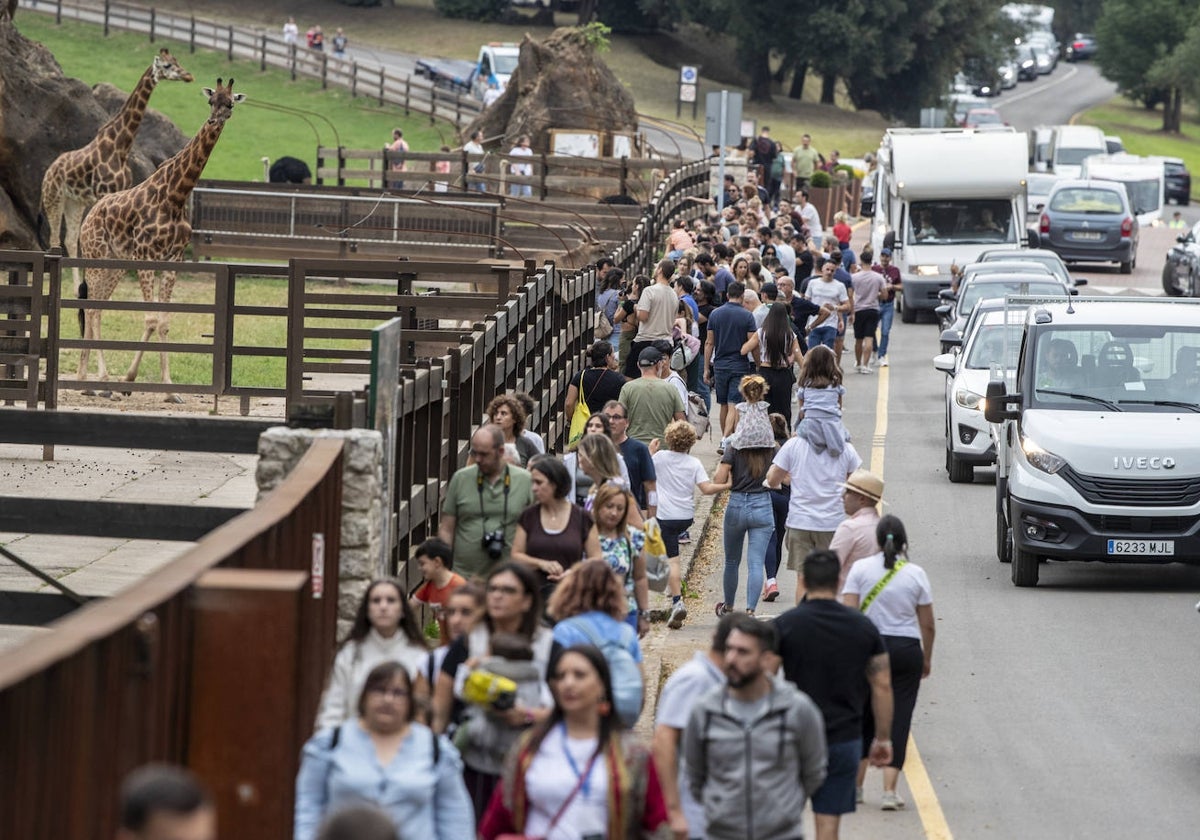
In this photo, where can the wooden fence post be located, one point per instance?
(192, 36)
(230, 42)
(152, 18)
(106, 13)
(262, 62)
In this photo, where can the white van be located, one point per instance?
(1098, 435)
(1143, 178)
(1070, 144)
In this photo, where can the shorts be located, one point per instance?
(671, 529)
(726, 382)
(836, 795)
(866, 321)
(800, 542)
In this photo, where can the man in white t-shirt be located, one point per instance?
(657, 308)
(815, 504)
(474, 146)
(826, 290)
(812, 219)
(521, 150)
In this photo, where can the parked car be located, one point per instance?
(1090, 221)
(1179, 180)
(1008, 74)
(1081, 46)
(1047, 46)
(987, 353)
(1181, 273)
(1031, 279)
(982, 117)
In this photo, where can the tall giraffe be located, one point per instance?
(149, 222)
(77, 179)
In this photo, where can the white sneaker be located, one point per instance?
(678, 614)
(866, 369)
(890, 801)
(883, 362)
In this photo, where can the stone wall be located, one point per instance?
(361, 558)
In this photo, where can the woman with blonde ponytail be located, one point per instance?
(895, 595)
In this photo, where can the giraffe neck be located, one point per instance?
(123, 127)
(180, 173)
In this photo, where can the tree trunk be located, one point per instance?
(760, 77)
(587, 9)
(828, 83)
(799, 74)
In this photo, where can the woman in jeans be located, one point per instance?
(780, 499)
(748, 513)
(776, 350)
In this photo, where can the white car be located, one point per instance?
(987, 354)
(1038, 189)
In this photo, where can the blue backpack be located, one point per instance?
(628, 688)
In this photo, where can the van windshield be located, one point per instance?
(506, 64)
(1145, 196)
(960, 221)
(1093, 369)
(1074, 157)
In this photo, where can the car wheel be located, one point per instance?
(960, 472)
(908, 315)
(1170, 280)
(1024, 567)
(1127, 267)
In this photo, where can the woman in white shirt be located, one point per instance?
(895, 595)
(385, 629)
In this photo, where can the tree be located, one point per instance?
(1135, 39)
(756, 28)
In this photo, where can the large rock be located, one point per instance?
(559, 83)
(42, 115)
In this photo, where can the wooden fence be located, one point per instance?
(267, 49)
(162, 672)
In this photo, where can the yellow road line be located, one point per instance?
(924, 797)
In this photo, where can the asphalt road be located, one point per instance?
(1054, 98)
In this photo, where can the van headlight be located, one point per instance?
(926, 271)
(1040, 459)
(968, 399)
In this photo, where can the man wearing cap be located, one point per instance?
(887, 300)
(855, 536)
(650, 401)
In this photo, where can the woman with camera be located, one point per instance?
(513, 607)
(387, 758)
(578, 768)
(626, 317)
(553, 534)
(384, 630)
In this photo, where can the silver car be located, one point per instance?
(1090, 221)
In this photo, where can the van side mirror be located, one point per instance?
(947, 295)
(1035, 240)
(1080, 281)
(996, 409)
(867, 207)
(945, 362)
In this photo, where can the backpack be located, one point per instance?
(628, 688)
(764, 148)
(697, 413)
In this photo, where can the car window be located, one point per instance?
(1087, 200)
(976, 292)
(989, 347)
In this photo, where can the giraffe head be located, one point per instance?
(221, 101)
(166, 66)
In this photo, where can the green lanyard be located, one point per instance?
(878, 587)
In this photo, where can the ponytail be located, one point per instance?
(892, 538)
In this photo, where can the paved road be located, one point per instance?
(1055, 98)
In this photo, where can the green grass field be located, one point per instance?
(253, 132)
(1141, 132)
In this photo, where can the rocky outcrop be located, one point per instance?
(43, 114)
(559, 83)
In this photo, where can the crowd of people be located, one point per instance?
(511, 713)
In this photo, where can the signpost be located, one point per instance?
(722, 128)
(689, 84)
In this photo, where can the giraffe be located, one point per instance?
(149, 222)
(77, 179)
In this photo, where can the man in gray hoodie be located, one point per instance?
(754, 748)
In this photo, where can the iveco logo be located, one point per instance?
(1123, 462)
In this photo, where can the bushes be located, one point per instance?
(471, 9)
(820, 179)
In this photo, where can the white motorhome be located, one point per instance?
(941, 197)
(1143, 179)
(1098, 435)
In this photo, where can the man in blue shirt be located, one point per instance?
(722, 277)
(643, 481)
(729, 327)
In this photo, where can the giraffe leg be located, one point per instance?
(73, 212)
(103, 282)
(164, 331)
(146, 280)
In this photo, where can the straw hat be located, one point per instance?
(866, 483)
